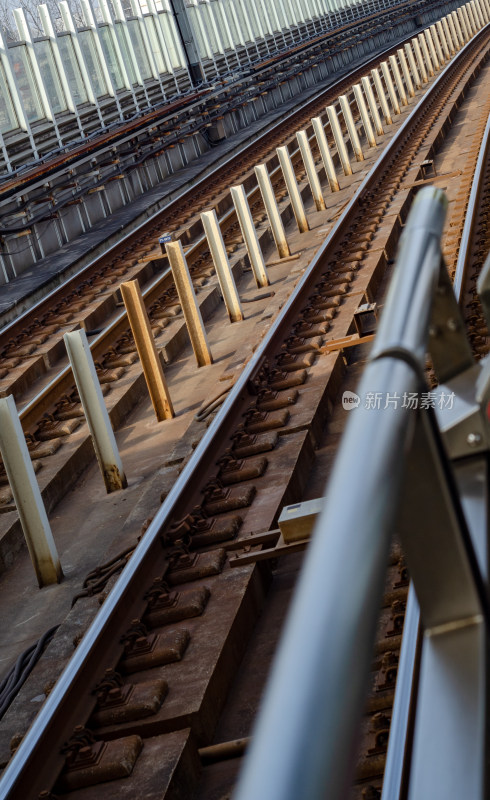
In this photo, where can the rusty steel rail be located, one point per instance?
(35, 763)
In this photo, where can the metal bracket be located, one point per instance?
(448, 344)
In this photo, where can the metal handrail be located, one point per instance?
(305, 739)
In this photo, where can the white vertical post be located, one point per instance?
(339, 140)
(272, 210)
(292, 187)
(95, 410)
(453, 33)
(426, 54)
(222, 265)
(27, 496)
(188, 301)
(325, 154)
(381, 96)
(458, 33)
(368, 91)
(366, 122)
(468, 19)
(483, 11)
(249, 234)
(420, 60)
(477, 13)
(449, 38)
(443, 40)
(389, 85)
(437, 44)
(413, 66)
(431, 49)
(398, 80)
(351, 127)
(307, 156)
(406, 72)
(462, 24)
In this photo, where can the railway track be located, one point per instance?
(148, 680)
(32, 347)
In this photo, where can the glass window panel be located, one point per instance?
(231, 22)
(72, 69)
(128, 62)
(51, 78)
(169, 36)
(109, 50)
(283, 22)
(25, 82)
(155, 44)
(139, 48)
(86, 39)
(8, 117)
(208, 25)
(244, 27)
(192, 12)
(223, 30)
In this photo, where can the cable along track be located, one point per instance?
(185, 632)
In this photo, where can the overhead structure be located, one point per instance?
(66, 76)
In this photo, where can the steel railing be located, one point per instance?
(304, 744)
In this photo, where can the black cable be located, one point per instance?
(11, 684)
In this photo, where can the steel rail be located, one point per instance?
(471, 214)
(189, 190)
(31, 764)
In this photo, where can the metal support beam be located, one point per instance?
(188, 43)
